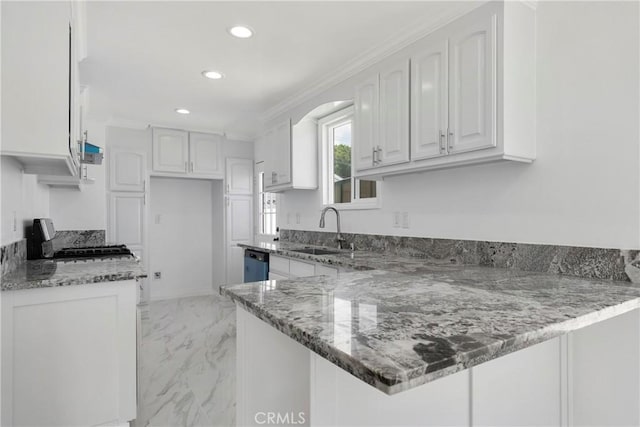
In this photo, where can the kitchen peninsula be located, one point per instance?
(437, 344)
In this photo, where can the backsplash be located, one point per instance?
(615, 264)
(78, 238)
(12, 255)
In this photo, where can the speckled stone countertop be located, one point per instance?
(400, 327)
(49, 273)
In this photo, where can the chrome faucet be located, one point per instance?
(339, 238)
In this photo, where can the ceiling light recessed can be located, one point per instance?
(214, 75)
(182, 111)
(241, 32)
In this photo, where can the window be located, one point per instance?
(266, 208)
(340, 186)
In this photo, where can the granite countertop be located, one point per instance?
(405, 326)
(50, 273)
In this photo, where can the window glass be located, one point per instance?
(342, 187)
(266, 208)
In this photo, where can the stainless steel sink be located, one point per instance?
(315, 251)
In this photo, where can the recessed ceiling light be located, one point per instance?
(241, 32)
(214, 75)
(182, 111)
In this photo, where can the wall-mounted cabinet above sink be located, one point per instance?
(472, 97)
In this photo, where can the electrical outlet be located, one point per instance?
(405, 219)
(157, 275)
(297, 217)
(396, 220)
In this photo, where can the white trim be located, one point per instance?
(369, 58)
(335, 119)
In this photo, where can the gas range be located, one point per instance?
(93, 253)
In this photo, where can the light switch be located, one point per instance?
(405, 219)
(396, 220)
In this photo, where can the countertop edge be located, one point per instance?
(454, 364)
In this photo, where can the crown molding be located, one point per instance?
(369, 58)
(141, 125)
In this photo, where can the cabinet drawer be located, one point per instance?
(276, 276)
(323, 270)
(301, 269)
(279, 265)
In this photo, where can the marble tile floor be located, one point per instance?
(186, 365)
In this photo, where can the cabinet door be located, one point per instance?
(239, 176)
(365, 123)
(127, 218)
(472, 87)
(205, 154)
(170, 150)
(393, 139)
(281, 173)
(127, 170)
(429, 102)
(239, 224)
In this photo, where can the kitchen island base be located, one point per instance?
(587, 377)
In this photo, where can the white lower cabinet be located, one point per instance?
(288, 268)
(69, 355)
(584, 378)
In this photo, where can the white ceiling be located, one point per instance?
(145, 58)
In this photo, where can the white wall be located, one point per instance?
(22, 197)
(584, 187)
(85, 210)
(181, 244)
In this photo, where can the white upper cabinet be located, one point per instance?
(189, 154)
(472, 97)
(393, 136)
(290, 154)
(278, 162)
(429, 101)
(239, 176)
(365, 123)
(381, 118)
(37, 122)
(170, 150)
(127, 170)
(205, 152)
(472, 89)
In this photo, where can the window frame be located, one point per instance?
(260, 194)
(325, 125)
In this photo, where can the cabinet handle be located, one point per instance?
(144, 199)
(192, 167)
(186, 169)
(144, 185)
(450, 141)
(227, 188)
(379, 152)
(373, 156)
(442, 146)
